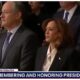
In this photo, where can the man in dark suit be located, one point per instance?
(73, 19)
(21, 45)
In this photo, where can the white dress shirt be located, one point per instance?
(47, 62)
(71, 12)
(13, 31)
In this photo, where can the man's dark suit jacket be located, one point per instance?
(65, 59)
(20, 53)
(74, 23)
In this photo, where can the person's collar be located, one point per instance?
(13, 31)
(51, 52)
(72, 10)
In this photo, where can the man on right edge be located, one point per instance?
(73, 18)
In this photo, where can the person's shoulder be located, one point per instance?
(58, 13)
(77, 11)
(70, 49)
(26, 30)
(66, 49)
(43, 47)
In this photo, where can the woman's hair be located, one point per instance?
(63, 28)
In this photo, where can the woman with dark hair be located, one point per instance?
(58, 54)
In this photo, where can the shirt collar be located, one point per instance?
(52, 52)
(13, 31)
(72, 10)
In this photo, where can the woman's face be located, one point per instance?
(51, 33)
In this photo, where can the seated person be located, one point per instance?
(58, 53)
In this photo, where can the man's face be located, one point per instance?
(8, 17)
(65, 4)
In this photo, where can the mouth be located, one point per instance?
(46, 37)
(2, 20)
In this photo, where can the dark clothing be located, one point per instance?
(74, 25)
(2, 30)
(35, 24)
(20, 53)
(66, 59)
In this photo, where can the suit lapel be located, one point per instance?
(13, 41)
(60, 59)
(57, 61)
(59, 14)
(76, 17)
(43, 56)
(1, 44)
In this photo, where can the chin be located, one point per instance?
(3, 24)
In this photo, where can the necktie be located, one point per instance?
(66, 16)
(6, 43)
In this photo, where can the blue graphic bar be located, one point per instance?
(60, 74)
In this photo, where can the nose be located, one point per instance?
(1, 15)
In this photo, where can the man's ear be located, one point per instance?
(18, 15)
